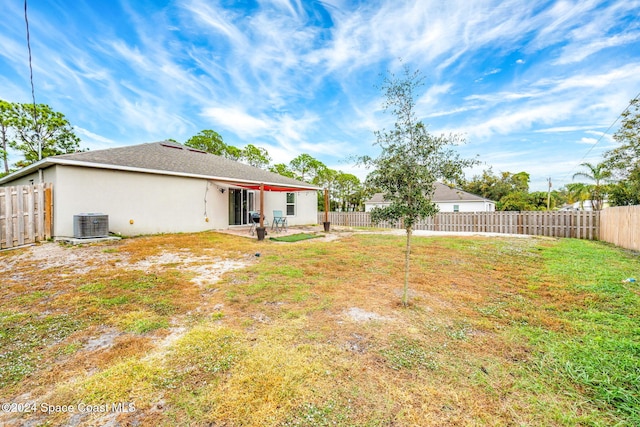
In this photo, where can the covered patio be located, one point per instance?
(244, 231)
(270, 220)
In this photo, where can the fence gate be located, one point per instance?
(25, 214)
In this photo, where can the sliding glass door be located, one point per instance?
(241, 202)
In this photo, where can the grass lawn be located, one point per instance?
(296, 237)
(194, 329)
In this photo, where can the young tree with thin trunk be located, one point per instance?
(410, 163)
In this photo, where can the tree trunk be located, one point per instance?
(5, 153)
(405, 291)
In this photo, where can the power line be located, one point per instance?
(608, 129)
(33, 91)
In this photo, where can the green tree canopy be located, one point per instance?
(38, 132)
(233, 153)
(624, 161)
(305, 167)
(578, 192)
(517, 201)
(7, 114)
(597, 191)
(282, 169)
(494, 187)
(256, 156)
(626, 158)
(410, 162)
(208, 140)
(626, 191)
(349, 191)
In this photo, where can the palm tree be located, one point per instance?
(600, 175)
(578, 192)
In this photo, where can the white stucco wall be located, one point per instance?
(140, 203)
(306, 206)
(463, 206)
(368, 207)
(136, 203)
(467, 206)
(48, 175)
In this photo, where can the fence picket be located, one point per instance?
(621, 226)
(8, 218)
(582, 225)
(24, 213)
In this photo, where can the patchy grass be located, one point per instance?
(295, 237)
(499, 331)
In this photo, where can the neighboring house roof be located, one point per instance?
(168, 158)
(585, 205)
(442, 193)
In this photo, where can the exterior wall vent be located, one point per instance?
(90, 225)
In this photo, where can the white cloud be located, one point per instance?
(602, 135)
(563, 129)
(237, 120)
(300, 76)
(589, 141)
(451, 112)
(218, 19)
(90, 137)
(501, 97)
(578, 52)
(523, 118)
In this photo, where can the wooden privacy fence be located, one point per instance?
(25, 214)
(578, 224)
(621, 226)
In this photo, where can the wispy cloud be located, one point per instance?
(589, 141)
(578, 52)
(515, 76)
(559, 129)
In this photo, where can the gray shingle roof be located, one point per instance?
(442, 193)
(174, 158)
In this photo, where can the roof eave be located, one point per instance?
(41, 164)
(67, 162)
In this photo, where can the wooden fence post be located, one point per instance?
(48, 211)
(8, 199)
(581, 225)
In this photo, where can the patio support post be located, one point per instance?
(261, 204)
(261, 231)
(326, 223)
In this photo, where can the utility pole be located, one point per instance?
(549, 194)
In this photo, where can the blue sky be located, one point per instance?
(533, 85)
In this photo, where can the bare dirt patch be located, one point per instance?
(71, 259)
(359, 315)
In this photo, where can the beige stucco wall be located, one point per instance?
(136, 203)
(141, 203)
(48, 175)
(306, 206)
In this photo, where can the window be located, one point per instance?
(456, 208)
(291, 204)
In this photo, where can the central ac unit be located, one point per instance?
(90, 225)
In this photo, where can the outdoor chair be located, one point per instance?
(279, 221)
